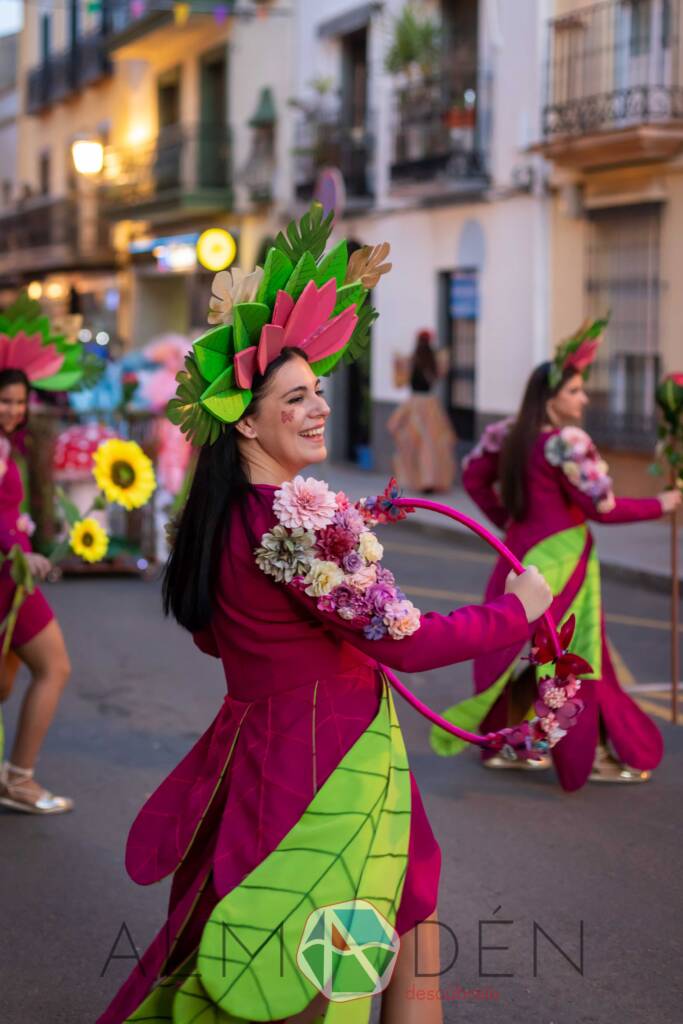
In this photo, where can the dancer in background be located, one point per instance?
(540, 478)
(298, 797)
(424, 438)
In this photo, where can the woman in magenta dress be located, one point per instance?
(298, 796)
(37, 639)
(540, 479)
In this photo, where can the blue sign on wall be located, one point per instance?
(464, 297)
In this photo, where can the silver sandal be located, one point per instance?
(11, 796)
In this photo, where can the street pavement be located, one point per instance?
(525, 867)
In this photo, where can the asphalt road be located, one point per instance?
(541, 865)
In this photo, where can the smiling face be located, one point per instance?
(566, 408)
(13, 407)
(286, 433)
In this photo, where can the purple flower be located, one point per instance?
(350, 519)
(352, 562)
(385, 576)
(378, 594)
(375, 629)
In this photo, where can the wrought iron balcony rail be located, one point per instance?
(439, 132)
(44, 233)
(180, 163)
(329, 141)
(613, 65)
(67, 72)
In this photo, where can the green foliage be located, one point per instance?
(310, 234)
(276, 273)
(22, 308)
(416, 41)
(304, 272)
(360, 339)
(248, 319)
(213, 351)
(334, 265)
(67, 507)
(224, 399)
(185, 410)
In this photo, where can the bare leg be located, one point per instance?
(399, 1002)
(9, 666)
(48, 662)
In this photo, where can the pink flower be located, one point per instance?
(26, 525)
(401, 618)
(306, 503)
(363, 579)
(343, 502)
(334, 542)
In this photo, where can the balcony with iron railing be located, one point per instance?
(182, 169)
(330, 141)
(614, 90)
(65, 73)
(43, 234)
(439, 135)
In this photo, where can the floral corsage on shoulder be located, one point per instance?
(491, 441)
(322, 544)
(572, 449)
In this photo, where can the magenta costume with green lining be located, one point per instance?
(298, 795)
(567, 485)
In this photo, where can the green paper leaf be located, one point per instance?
(185, 409)
(349, 295)
(310, 234)
(304, 272)
(333, 265)
(248, 319)
(224, 400)
(213, 350)
(360, 339)
(62, 381)
(350, 843)
(276, 272)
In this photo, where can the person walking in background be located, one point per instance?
(37, 640)
(423, 435)
(540, 478)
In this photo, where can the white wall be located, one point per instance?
(513, 327)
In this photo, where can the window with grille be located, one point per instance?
(624, 280)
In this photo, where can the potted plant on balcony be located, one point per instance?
(413, 56)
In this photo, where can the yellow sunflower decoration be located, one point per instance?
(124, 473)
(88, 540)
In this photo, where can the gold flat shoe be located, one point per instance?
(498, 762)
(608, 769)
(11, 795)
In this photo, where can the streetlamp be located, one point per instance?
(88, 156)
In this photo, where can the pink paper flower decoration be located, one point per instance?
(307, 503)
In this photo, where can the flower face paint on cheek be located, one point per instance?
(286, 416)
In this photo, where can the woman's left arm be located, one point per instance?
(584, 479)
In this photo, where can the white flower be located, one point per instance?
(370, 548)
(229, 288)
(322, 578)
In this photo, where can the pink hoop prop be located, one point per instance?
(494, 542)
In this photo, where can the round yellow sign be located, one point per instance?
(216, 249)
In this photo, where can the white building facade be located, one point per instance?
(434, 157)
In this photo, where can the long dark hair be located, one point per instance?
(531, 418)
(14, 376)
(220, 482)
(424, 360)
